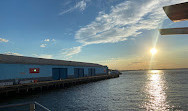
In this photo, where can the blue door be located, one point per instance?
(63, 73)
(76, 72)
(59, 73)
(81, 72)
(55, 74)
(93, 72)
(90, 72)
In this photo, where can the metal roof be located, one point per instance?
(13, 59)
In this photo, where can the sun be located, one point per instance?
(153, 51)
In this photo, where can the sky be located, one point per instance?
(116, 33)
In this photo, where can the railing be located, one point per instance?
(29, 106)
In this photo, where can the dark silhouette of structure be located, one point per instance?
(176, 13)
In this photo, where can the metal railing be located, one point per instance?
(29, 106)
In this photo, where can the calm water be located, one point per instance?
(133, 90)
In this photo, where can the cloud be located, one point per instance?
(47, 56)
(127, 19)
(3, 40)
(72, 51)
(43, 45)
(12, 53)
(53, 40)
(124, 20)
(109, 60)
(136, 62)
(46, 40)
(80, 5)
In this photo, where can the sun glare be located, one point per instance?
(154, 71)
(153, 51)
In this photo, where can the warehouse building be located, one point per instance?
(20, 69)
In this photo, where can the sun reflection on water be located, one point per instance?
(155, 91)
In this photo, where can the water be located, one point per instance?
(132, 91)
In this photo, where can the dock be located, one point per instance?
(26, 89)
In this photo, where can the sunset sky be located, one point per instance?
(116, 33)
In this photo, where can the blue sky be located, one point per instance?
(116, 33)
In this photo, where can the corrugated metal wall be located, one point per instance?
(19, 71)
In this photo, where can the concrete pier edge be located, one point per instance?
(30, 88)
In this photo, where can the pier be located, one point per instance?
(25, 89)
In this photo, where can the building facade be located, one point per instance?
(20, 69)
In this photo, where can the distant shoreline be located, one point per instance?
(155, 69)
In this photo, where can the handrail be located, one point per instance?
(42, 106)
(23, 104)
